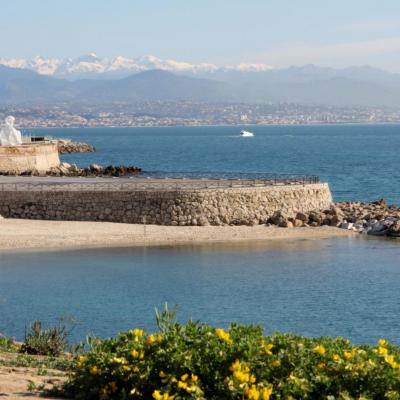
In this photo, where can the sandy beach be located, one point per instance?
(35, 234)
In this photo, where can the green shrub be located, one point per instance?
(48, 342)
(7, 344)
(197, 361)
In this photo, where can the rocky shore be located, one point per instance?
(93, 170)
(66, 146)
(376, 218)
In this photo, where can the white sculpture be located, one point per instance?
(9, 136)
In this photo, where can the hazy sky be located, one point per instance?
(277, 32)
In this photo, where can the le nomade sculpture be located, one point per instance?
(9, 136)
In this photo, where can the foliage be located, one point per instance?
(50, 342)
(42, 362)
(197, 361)
(7, 344)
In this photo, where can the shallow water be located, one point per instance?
(340, 286)
(360, 162)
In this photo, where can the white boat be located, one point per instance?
(246, 134)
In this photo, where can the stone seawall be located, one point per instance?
(243, 206)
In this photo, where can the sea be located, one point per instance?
(340, 286)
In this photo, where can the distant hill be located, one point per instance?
(357, 86)
(157, 85)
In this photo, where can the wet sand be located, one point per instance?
(35, 234)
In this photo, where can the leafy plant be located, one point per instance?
(198, 361)
(7, 344)
(49, 342)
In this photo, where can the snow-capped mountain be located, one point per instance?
(93, 66)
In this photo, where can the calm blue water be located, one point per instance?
(346, 287)
(361, 162)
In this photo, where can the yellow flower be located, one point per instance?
(135, 353)
(81, 359)
(223, 335)
(150, 339)
(242, 372)
(182, 385)
(320, 350)
(94, 370)
(383, 351)
(141, 355)
(138, 332)
(348, 355)
(252, 393)
(276, 363)
(266, 393)
(268, 347)
(165, 396)
(382, 342)
(336, 358)
(241, 376)
(118, 360)
(321, 365)
(184, 377)
(194, 378)
(162, 374)
(157, 395)
(391, 361)
(235, 366)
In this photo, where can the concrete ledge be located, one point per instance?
(40, 156)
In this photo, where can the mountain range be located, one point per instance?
(309, 84)
(91, 66)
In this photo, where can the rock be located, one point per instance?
(68, 147)
(95, 167)
(336, 220)
(279, 219)
(283, 223)
(394, 229)
(315, 217)
(326, 220)
(346, 225)
(302, 217)
(380, 202)
(298, 223)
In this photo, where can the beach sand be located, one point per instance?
(14, 381)
(37, 234)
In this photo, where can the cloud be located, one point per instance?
(359, 52)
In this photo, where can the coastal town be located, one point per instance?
(186, 113)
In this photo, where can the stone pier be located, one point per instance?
(172, 204)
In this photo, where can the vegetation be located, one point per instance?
(197, 361)
(41, 363)
(49, 342)
(7, 344)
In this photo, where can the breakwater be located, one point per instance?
(165, 203)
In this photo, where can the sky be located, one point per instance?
(280, 33)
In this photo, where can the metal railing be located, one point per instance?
(148, 184)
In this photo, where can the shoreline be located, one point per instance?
(24, 234)
(209, 125)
